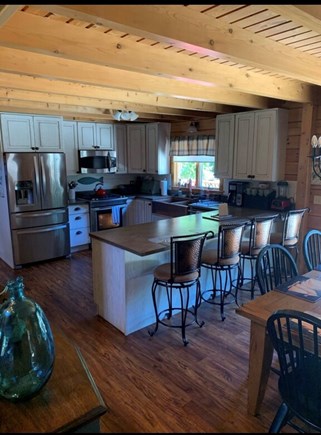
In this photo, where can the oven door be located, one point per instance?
(106, 218)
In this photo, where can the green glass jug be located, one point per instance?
(27, 350)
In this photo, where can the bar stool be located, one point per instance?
(222, 262)
(259, 237)
(289, 236)
(182, 273)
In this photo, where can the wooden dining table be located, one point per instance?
(258, 311)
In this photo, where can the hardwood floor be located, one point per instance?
(153, 384)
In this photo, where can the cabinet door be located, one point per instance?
(157, 148)
(136, 148)
(105, 136)
(86, 135)
(265, 145)
(17, 132)
(120, 131)
(143, 211)
(48, 133)
(129, 215)
(224, 146)
(243, 151)
(70, 146)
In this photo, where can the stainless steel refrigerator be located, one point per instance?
(38, 206)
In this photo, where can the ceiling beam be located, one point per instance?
(7, 11)
(98, 103)
(69, 111)
(177, 26)
(67, 88)
(12, 60)
(47, 36)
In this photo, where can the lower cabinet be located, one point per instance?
(79, 224)
(138, 211)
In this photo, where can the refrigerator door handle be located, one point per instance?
(44, 179)
(37, 175)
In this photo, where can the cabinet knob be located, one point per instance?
(77, 218)
(76, 208)
(78, 233)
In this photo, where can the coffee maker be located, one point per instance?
(236, 190)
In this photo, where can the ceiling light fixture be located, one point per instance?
(124, 115)
(192, 127)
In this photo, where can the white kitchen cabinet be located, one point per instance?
(243, 145)
(79, 226)
(48, 133)
(31, 133)
(138, 211)
(70, 139)
(224, 146)
(251, 145)
(157, 148)
(148, 148)
(260, 145)
(136, 144)
(93, 135)
(120, 135)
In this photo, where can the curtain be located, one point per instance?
(201, 145)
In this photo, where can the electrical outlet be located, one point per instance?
(316, 199)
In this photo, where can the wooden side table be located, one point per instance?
(70, 401)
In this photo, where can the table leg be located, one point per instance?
(261, 354)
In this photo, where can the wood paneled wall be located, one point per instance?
(206, 126)
(293, 142)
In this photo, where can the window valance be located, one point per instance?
(201, 145)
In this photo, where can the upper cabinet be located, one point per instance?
(157, 148)
(224, 146)
(136, 143)
(71, 146)
(148, 148)
(93, 135)
(120, 135)
(31, 133)
(254, 147)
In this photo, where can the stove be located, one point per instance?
(102, 201)
(106, 212)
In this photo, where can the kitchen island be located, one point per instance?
(124, 259)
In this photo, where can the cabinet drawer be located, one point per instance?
(77, 209)
(79, 220)
(79, 236)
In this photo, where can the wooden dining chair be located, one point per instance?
(296, 338)
(312, 249)
(274, 266)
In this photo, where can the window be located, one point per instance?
(198, 169)
(193, 159)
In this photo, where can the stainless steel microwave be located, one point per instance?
(97, 161)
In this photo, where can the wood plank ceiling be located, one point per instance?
(166, 62)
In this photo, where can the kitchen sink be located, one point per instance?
(172, 199)
(171, 207)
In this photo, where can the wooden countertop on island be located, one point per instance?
(153, 237)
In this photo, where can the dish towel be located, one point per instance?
(115, 214)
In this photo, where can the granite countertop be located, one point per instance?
(153, 237)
